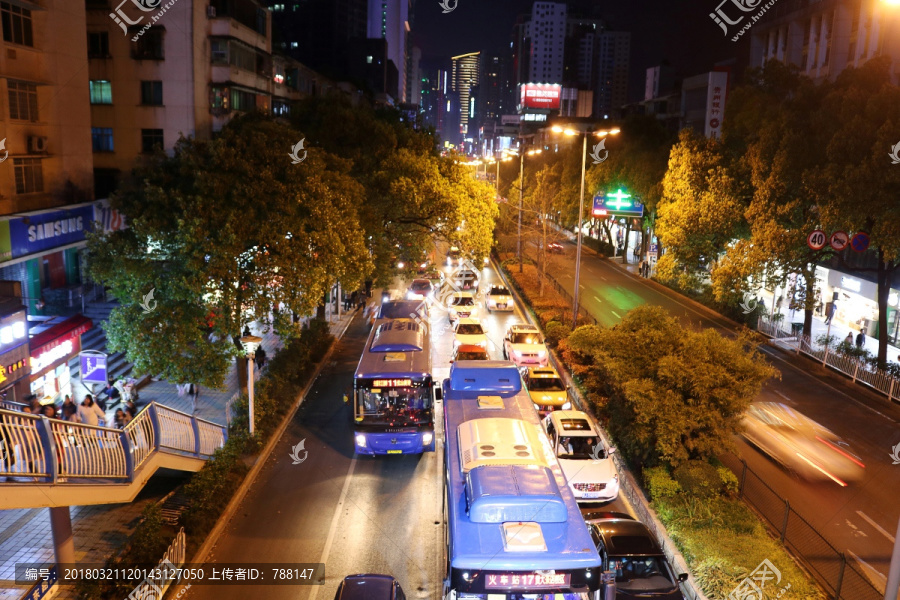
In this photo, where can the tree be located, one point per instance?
(223, 233)
(671, 394)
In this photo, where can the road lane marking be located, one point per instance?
(878, 527)
(785, 397)
(334, 524)
(603, 278)
(615, 313)
(597, 299)
(872, 574)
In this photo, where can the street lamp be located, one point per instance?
(250, 343)
(570, 132)
(522, 154)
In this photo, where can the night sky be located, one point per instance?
(678, 31)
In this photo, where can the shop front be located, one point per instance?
(14, 363)
(854, 299)
(51, 351)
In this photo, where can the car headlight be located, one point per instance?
(400, 265)
(427, 438)
(517, 353)
(567, 406)
(361, 440)
(541, 353)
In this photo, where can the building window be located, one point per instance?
(243, 101)
(149, 46)
(16, 24)
(281, 108)
(219, 51)
(23, 105)
(101, 91)
(29, 175)
(151, 93)
(293, 44)
(98, 45)
(102, 138)
(150, 139)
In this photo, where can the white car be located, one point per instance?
(462, 306)
(498, 298)
(584, 458)
(524, 345)
(469, 332)
(420, 289)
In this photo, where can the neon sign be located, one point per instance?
(387, 383)
(527, 580)
(51, 356)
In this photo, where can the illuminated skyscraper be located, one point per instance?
(466, 74)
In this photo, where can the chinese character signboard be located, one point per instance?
(540, 95)
(526, 581)
(715, 103)
(618, 203)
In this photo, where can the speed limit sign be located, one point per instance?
(816, 239)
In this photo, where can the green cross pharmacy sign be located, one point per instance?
(618, 204)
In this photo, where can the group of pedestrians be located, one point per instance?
(89, 412)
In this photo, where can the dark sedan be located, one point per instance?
(627, 547)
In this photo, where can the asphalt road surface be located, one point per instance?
(354, 514)
(861, 518)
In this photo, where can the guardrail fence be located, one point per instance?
(840, 577)
(856, 368)
(53, 451)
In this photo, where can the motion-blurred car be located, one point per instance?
(470, 332)
(469, 352)
(546, 389)
(800, 444)
(524, 345)
(627, 547)
(465, 279)
(369, 587)
(462, 305)
(555, 248)
(584, 458)
(454, 257)
(498, 298)
(420, 289)
(435, 277)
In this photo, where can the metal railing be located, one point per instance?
(155, 587)
(55, 451)
(858, 369)
(840, 577)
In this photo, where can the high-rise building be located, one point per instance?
(318, 32)
(414, 77)
(547, 33)
(611, 89)
(389, 20)
(490, 92)
(465, 74)
(823, 38)
(189, 74)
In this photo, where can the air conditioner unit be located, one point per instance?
(211, 11)
(37, 143)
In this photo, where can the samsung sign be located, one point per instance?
(49, 230)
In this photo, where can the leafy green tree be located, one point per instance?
(226, 232)
(671, 394)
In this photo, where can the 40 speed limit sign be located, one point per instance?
(817, 239)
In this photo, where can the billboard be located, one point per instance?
(540, 95)
(715, 103)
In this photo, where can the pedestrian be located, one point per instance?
(849, 339)
(861, 339)
(70, 412)
(122, 418)
(112, 392)
(832, 306)
(131, 408)
(49, 411)
(89, 413)
(260, 357)
(194, 393)
(247, 330)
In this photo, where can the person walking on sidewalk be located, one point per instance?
(89, 413)
(849, 339)
(861, 339)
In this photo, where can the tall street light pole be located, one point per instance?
(576, 293)
(250, 343)
(522, 196)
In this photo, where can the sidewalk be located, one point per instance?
(25, 535)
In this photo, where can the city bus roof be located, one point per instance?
(488, 498)
(396, 349)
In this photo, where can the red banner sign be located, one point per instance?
(540, 95)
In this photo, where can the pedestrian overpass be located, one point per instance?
(52, 463)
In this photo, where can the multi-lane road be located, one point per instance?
(354, 514)
(860, 518)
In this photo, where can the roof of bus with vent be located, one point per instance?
(396, 349)
(510, 508)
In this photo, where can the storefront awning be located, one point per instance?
(61, 332)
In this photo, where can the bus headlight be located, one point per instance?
(427, 438)
(361, 440)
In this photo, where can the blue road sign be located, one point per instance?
(93, 368)
(860, 242)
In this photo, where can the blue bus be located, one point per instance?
(514, 530)
(393, 395)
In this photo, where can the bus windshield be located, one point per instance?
(394, 406)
